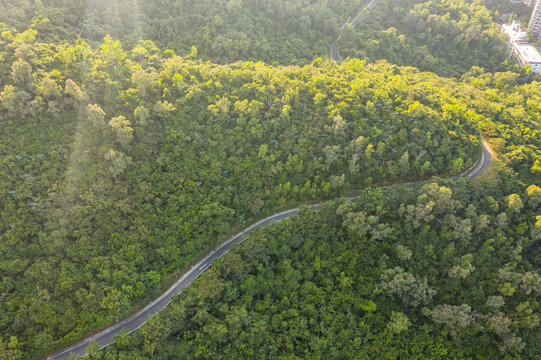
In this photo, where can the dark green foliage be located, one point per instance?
(447, 37)
(122, 167)
(118, 167)
(508, 10)
(305, 288)
(289, 32)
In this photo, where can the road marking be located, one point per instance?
(204, 267)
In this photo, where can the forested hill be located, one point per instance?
(289, 32)
(502, 9)
(445, 271)
(121, 160)
(118, 167)
(447, 37)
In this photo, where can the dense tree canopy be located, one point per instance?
(311, 288)
(121, 162)
(120, 167)
(447, 37)
(292, 31)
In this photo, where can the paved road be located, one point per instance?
(335, 48)
(131, 324)
(485, 161)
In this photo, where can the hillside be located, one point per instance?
(447, 37)
(124, 166)
(441, 278)
(126, 157)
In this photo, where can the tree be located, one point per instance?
(457, 166)
(506, 289)
(145, 82)
(408, 288)
(463, 230)
(338, 182)
(359, 225)
(404, 164)
(526, 316)
(332, 154)
(15, 101)
(142, 116)
(72, 90)
(398, 323)
(122, 129)
(452, 316)
(530, 283)
(163, 108)
(500, 324)
(495, 302)
(536, 231)
(21, 73)
(43, 340)
(441, 196)
(95, 115)
(514, 203)
(418, 214)
(339, 125)
(404, 253)
(462, 270)
(482, 223)
(533, 193)
(501, 220)
(49, 88)
(119, 161)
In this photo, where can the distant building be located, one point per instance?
(535, 20)
(515, 32)
(527, 2)
(524, 52)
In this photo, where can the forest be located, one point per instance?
(501, 9)
(449, 275)
(447, 37)
(286, 32)
(446, 271)
(116, 176)
(122, 160)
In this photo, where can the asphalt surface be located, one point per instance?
(485, 161)
(131, 324)
(335, 48)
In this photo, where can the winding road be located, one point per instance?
(335, 48)
(131, 324)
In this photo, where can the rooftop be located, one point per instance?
(515, 32)
(529, 53)
(526, 52)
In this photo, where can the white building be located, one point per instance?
(524, 52)
(527, 2)
(535, 20)
(515, 32)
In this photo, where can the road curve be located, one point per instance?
(131, 324)
(335, 48)
(484, 163)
